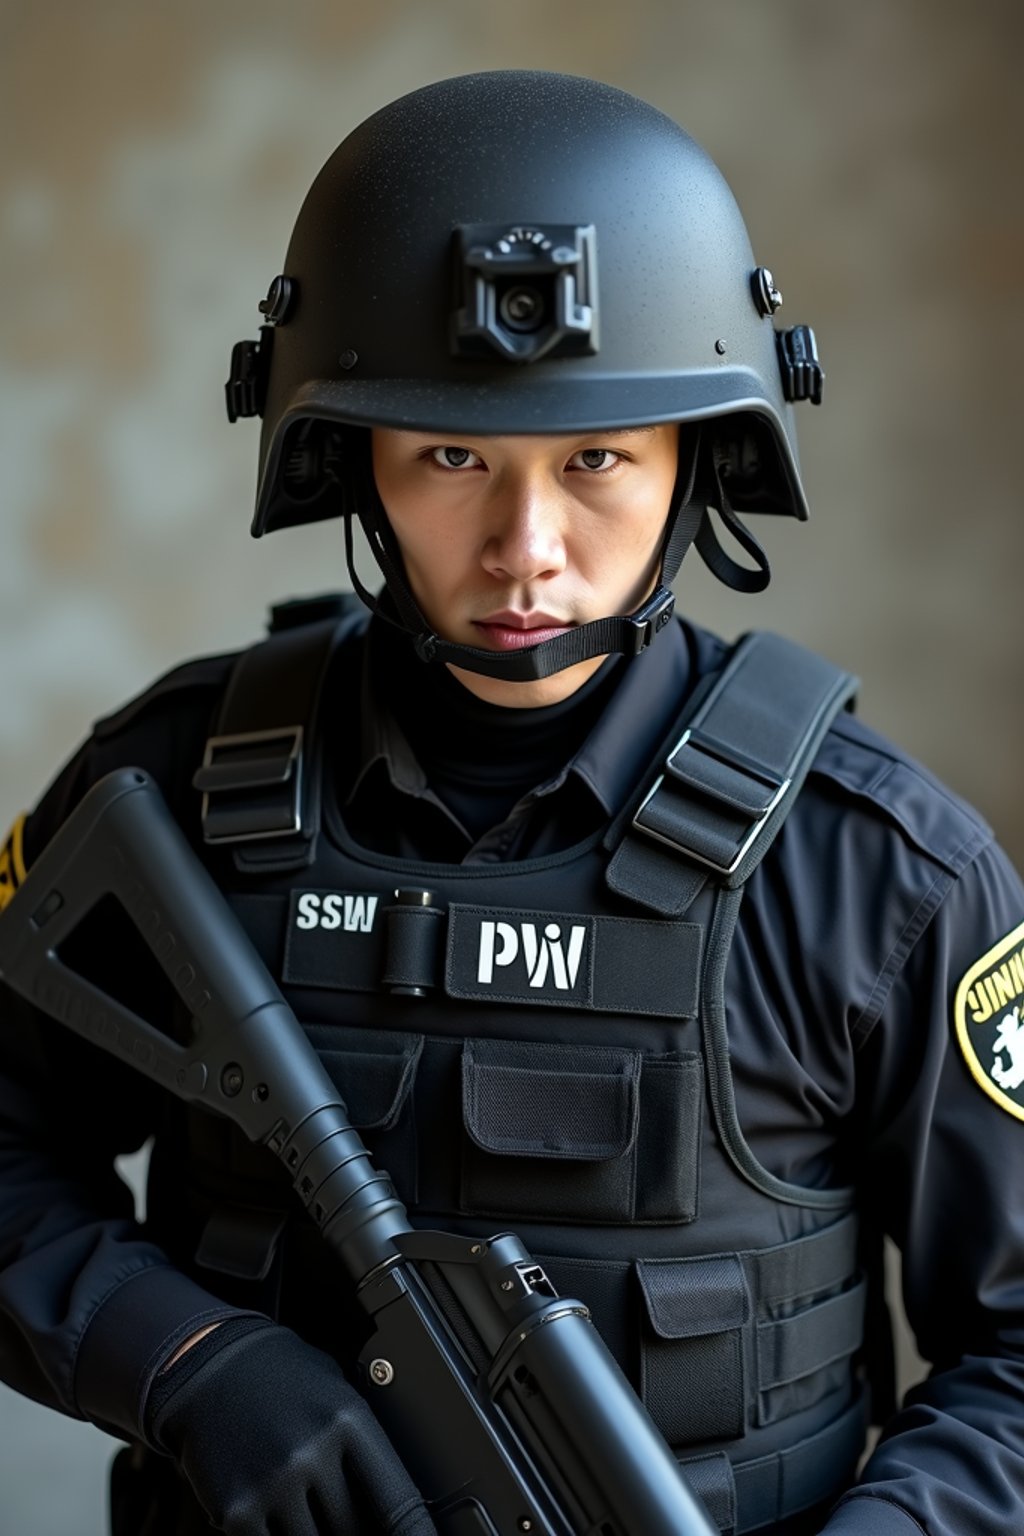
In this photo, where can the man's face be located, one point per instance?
(510, 540)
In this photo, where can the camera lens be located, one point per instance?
(522, 308)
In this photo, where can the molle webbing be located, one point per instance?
(760, 1493)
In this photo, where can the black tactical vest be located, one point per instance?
(542, 1046)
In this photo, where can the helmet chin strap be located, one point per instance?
(625, 634)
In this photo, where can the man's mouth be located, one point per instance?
(510, 631)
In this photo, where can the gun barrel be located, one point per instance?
(598, 1443)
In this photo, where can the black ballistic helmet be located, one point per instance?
(524, 252)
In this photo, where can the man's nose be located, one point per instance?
(526, 535)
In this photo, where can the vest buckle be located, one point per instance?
(710, 804)
(251, 785)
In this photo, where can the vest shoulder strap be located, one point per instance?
(731, 778)
(260, 777)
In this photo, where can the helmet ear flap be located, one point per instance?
(316, 461)
(304, 474)
(747, 458)
(740, 462)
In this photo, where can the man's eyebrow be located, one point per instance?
(621, 432)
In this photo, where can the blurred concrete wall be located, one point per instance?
(153, 159)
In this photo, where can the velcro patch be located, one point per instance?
(989, 1016)
(335, 939)
(12, 863)
(573, 960)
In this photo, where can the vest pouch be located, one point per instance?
(668, 1144)
(692, 1372)
(374, 1073)
(551, 1131)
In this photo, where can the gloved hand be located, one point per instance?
(273, 1439)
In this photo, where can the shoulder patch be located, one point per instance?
(989, 1015)
(12, 862)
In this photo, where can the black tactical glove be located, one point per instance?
(273, 1439)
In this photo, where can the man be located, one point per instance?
(713, 986)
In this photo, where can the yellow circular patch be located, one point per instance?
(12, 863)
(989, 1015)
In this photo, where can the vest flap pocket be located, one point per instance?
(687, 1298)
(522, 1099)
(373, 1071)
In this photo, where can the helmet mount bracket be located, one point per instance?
(249, 374)
(245, 392)
(525, 291)
(802, 374)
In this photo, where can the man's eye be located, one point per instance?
(450, 457)
(594, 459)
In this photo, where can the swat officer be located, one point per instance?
(726, 986)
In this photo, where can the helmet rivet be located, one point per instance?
(766, 296)
(720, 346)
(278, 300)
(349, 358)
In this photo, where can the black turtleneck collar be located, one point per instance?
(389, 798)
(479, 758)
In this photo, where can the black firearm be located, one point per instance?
(546, 1436)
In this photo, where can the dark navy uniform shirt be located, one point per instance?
(874, 995)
